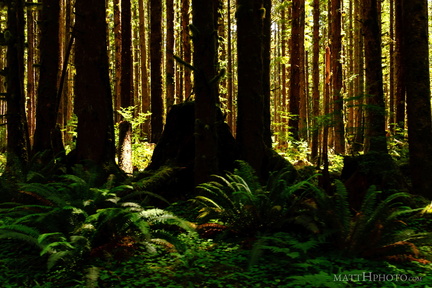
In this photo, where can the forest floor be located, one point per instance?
(61, 240)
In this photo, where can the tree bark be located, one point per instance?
(206, 88)
(155, 70)
(169, 48)
(416, 60)
(336, 49)
(17, 131)
(250, 116)
(376, 132)
(48, 100)
(93, 102)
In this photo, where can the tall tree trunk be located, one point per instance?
(48, 98)
(169, 48)
(298, 14)
(400, 67)
(145, 97)
(93, 102)
(416, 59)
(266, 50)
(155, 69)
(17, 131)
(336, 49)
(376, 132)
(230, 93)
(250, 117)
(206, 88)
(117, 58)
(187, 54)
(126, 81)
(315, 81)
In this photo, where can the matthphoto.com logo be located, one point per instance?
(373, 277)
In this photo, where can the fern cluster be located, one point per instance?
(70, 220)
(364, 232)
(246, 207)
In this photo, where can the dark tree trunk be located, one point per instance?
(315, 82)
(93, 102)
(17, 131)
(206, 88)
(250, 117)
(126, 78)
(156, 102)
(266, 71)
(416, 59)
(295, 80)
(48, 97)
(376, 132)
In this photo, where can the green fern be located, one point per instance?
(240, 202)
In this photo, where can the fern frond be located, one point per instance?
(20, 233)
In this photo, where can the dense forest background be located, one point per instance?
(335, 77)
(300, 129)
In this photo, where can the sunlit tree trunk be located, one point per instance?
(156, 70)
(336, 50)
(145, 97)
(187, 54)
(169, 48)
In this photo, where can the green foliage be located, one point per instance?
(239, 201)
(141, 151)
(363, 232)
(69, 220)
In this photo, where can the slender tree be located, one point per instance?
(169, 59)
(297, 45)
(416, 60)
(156, 102)
(126, 78)
(336, 49)
(315, 80)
